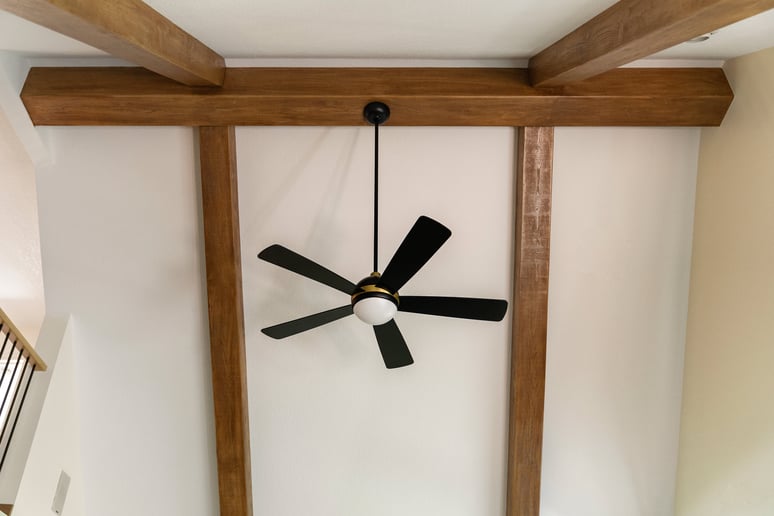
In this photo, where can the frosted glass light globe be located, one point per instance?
(375, 310)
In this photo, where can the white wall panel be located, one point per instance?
(334, 433)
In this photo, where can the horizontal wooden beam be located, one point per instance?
(129, 29)
(417, 96)
(631, 30)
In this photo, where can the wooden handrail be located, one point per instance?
(20, 343)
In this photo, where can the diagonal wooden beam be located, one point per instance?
(534, 170)
(417, 96)
(129, 29)
(631, 30)
(226, 315)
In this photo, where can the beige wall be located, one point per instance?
(21, 276)
(726, 461)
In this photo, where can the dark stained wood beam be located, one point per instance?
(226, 316)
(534, 169)
(631, 30)
(417, 96)
(129, 29)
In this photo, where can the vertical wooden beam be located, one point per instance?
(530, 317)
(226, 314)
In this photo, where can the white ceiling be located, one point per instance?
(432, 29)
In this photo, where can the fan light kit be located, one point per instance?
(375, 300)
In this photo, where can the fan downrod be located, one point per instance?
(376, 113)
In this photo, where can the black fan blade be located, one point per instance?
(462, 307)
(421, 243)
(294, 262)
(280, 331)
(394, 350)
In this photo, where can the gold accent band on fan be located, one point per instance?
(373, 288)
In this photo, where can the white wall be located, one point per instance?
(333, 432)
(13, 72)
(618, 294)
(337, 434)
(54, 336)
(121, 247)
(727, 436)
(56, 446)
(21, 278)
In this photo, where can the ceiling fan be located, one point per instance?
(374, 299)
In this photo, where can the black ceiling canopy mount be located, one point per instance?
(376, 113)
(375, 299)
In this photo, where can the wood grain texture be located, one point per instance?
(530, 318)
(129, 29)
(416, 96)
(226, 317)
(6, 508)
(631, 30)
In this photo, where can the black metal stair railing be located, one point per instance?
(18, 363)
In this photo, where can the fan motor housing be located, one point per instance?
(373, 304)
(367, 288)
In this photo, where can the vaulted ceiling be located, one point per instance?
(485, 30)
(553, 92)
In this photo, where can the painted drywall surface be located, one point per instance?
(21, 278)
(13, 72)
(337, 434)
(333, 431)
(56, 446)
(727, 436)
(49, 344)
(620, 259)
(122, 251)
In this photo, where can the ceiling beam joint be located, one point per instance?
(631, 30)
(131, 30)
